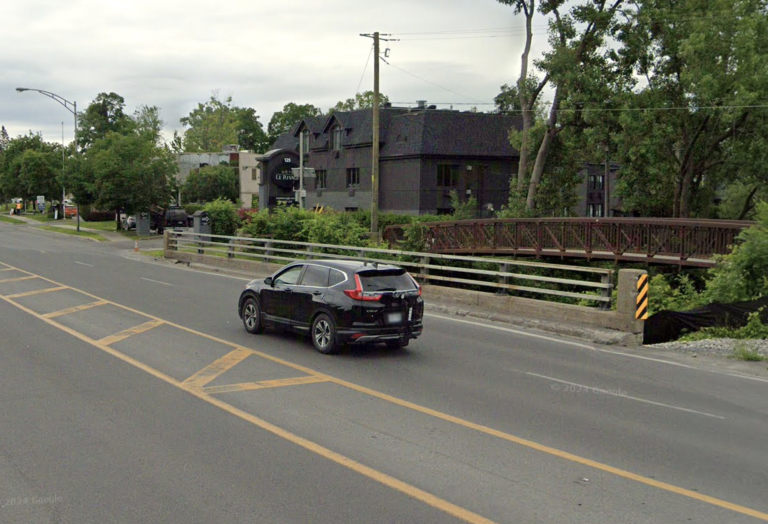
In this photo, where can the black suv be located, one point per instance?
(336, 302)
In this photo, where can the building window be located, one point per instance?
(254, 173)
(305, 141)
(336, 138)
(596, 182)
(353, 177)
(320, 179)
(447, 175)
(595, 210)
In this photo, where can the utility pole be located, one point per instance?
(375, 139)
(375, 145)
(301, 170)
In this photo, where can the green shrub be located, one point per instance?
(339, 229)
(463, 210)
(284, 223)
(743, 274)
(191, 208)
(754, 329)
(673, 293)
(224, 218)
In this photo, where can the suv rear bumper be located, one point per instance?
(367, 336)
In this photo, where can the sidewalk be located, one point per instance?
(111, 236)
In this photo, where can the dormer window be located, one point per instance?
(336, 138)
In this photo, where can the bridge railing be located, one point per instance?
(684, 241)
(581, 283)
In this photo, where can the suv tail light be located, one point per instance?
(357, 293)
(418, 286)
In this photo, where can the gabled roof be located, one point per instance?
(313, 123)
(286, 141)
(444, 133)
(407, 132)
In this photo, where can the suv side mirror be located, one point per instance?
(268, 281)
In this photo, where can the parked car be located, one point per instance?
(336, 303)
(176, 216)
(129, 223)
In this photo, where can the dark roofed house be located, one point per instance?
(424, 154)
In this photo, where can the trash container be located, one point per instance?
(201, 224)
(143, 224)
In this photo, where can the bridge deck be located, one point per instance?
(681, 242)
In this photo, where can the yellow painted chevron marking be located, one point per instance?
(37, 292)
(75, 309)
(266, 384)
(117, 337)
(209, 373)
(17, 279)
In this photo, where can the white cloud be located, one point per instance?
(174, 54)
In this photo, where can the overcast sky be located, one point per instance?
(264, 54)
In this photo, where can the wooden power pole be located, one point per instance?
(375, 137)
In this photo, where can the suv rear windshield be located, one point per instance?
(386, 280)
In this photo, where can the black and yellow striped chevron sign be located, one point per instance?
(642, 298)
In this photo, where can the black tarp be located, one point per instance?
(666, 326)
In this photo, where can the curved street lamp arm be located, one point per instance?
(69, 106)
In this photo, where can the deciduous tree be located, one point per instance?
(106, 114)
(283, 121)
(210, 126)
(210, 183)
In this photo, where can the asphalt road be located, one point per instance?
(129, 392)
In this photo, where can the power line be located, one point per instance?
(427, 81)
(364, 70)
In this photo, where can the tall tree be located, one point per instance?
(130, 172)
(574, 65)
(696, 121)
(149, 123)
(362, 100)
(30, 167)
(210, 126)
(528, 90)
(250, 131)
(4, 139)
(104, 115)
(210, 183)
(284, 120)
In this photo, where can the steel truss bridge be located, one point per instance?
(683, 242)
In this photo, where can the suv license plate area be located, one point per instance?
(394, 318)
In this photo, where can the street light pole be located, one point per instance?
(72, 108)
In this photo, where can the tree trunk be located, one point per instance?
(686, 193)
(541, 156)
(747, 204)
(524, 96)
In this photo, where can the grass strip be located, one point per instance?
(85, 234)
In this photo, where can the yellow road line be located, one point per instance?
(17, 279)
(75, 309)
(353, 465)
(117, 337)
(264, 384)
(209, 373)
(404, 403)
(37, 292)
